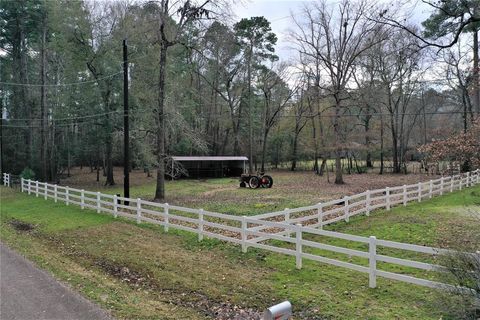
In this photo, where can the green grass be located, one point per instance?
(172, 276)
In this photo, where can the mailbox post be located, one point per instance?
(281, 311)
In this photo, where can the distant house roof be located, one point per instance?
(210, 158)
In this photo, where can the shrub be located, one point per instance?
(27, 173)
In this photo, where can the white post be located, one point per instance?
(29, 186)
(244, 234)
(387, 197)
(21, 184)
(441, 185)
(166, 217)
(99, 206)
(468, 179)
(404, 195)
(451, 183)
(36, 188)
(115, 206)
(461, 182)
(368, 201)
(200, 225)
(320, 215)
(298, 247)
(430, 188)
(287, 219)
(82, 199)
(372, 259)
(139, 210)
(55, 195)
(45, 189)
(419, 192)
(67, 200)
(346, 211)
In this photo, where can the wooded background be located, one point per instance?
(361, 84)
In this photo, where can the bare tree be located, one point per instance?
(173, 19)
(276, 94)
(337, 36)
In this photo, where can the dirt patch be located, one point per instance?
(21, 225)
(191, 299)
(212, 192)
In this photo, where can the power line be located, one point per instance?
(65, 119)
(60, 85)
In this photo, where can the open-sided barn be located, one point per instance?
(213, 167)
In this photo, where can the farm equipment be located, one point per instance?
(256, 181)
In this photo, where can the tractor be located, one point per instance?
(256, 181)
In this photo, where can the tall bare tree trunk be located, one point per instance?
(43, 98)
(160, 188)
(338, 149)
(476, 79)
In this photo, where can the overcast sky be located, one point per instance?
(278, 13)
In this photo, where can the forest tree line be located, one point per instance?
(359, 84)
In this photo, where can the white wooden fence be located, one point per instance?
(275, 236)
(321, 214)
(6, 179)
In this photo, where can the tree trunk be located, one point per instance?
(476, 79)
(381, 145)
(264, 149)
(338, 149)
(160, 188)
(367, 138)
(294, 151)
(43, 98)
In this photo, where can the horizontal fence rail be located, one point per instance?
(287, 236)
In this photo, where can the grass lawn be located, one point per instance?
(139, 271)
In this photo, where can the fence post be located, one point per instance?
(82, 199)
(461, 182)
(244, 234)
(287, 219)
(320, 215)
(441, 185)
(67, 199)
(115, 206)
(298, 246)
(372, 262)
(404, 195)
(29, 186)
(430, 189)
(368, 200)
(347, 209)
(21, 184)
(55, 195)
(419, 192)
(36, 188)
(166, 217)
(9, 177)
(139, 210)
(468, 179)
(387, 197)
(451, 183)
(99, 207)
(200, 225)
(45, 190)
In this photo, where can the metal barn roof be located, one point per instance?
(215, 158)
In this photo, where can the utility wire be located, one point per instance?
(64, 119)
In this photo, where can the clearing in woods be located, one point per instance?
(290, 189)
(139, 271)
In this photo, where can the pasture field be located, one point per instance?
(139, 271)
(290, 189)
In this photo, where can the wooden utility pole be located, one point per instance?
(126, 154)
